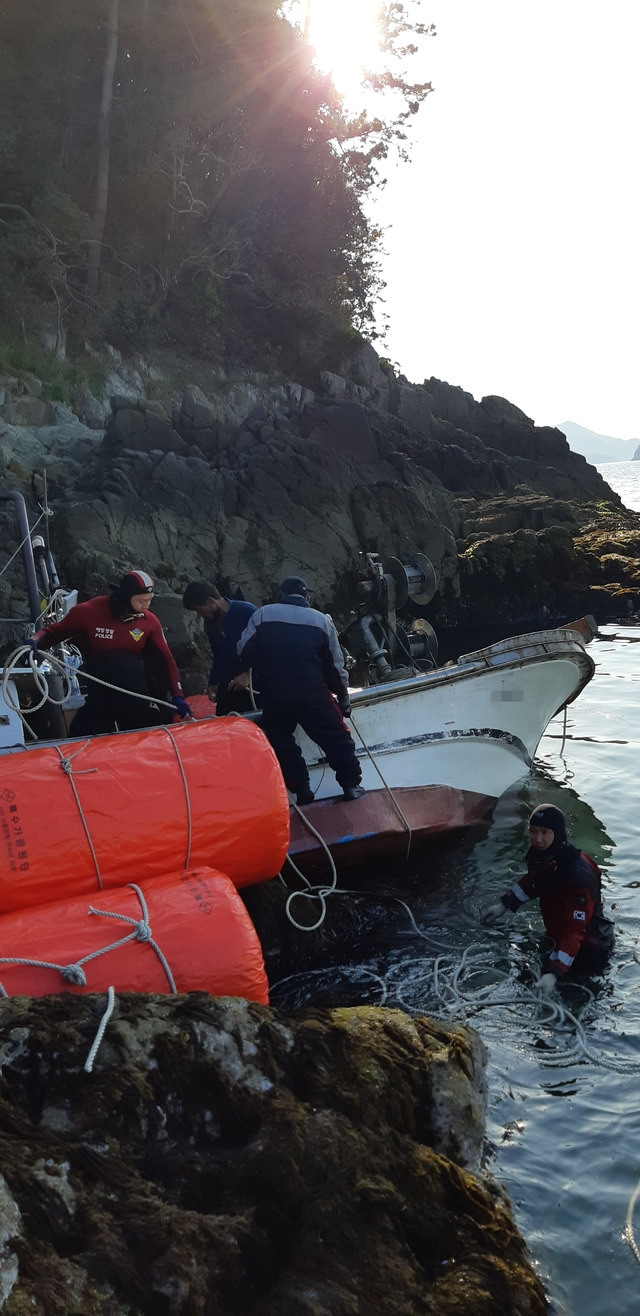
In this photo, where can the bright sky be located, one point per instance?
(513, 243)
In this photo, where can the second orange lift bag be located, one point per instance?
(183, 932)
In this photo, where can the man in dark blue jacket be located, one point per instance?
(300, 660)
(224, 621)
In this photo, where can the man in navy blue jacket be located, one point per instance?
(302, 668)
(224, 621)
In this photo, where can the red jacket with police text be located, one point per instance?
(97, 631)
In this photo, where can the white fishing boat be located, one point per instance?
(438, 748)
(475, 724)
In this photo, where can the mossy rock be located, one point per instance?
(224, 1158)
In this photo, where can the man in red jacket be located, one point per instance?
(567, 883)
(123, 644)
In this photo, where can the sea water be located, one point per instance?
(566, 1134)
(624, 478)
(563, 1126)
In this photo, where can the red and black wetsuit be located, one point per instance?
(129, 652)
(567, 884)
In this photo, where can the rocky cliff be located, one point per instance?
(245, 479)
(225, 1158)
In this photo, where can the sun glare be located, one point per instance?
(345, 36)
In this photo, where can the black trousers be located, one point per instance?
(108, 710)
(103, 714)
(318, 714)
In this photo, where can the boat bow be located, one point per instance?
(479, 720)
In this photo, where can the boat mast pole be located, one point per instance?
(22, 521)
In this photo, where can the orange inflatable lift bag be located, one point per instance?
(183, 932)
(88, 814)
(202, 706)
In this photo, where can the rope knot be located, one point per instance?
(66, 766)
(143, 931)
(74, 973)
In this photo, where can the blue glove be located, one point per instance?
(181, 706)
(33, 645)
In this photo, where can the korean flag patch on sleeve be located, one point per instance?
(580, 915)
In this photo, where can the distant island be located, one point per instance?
(599, 447)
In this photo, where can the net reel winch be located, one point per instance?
(390, 648)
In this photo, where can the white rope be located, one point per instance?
(447, 983)
(24, 656)
(319, 892)
(87, 676)
(74, 973)
(66, 763)
(111, 1000)
(186, 794)
(141, 932)
(67, 671)
(385, 784)
(628, 1229)
(71, 973)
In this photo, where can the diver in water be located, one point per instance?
(567, 883)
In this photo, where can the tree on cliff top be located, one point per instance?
(234, 180)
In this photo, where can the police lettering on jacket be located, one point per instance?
(96, 631)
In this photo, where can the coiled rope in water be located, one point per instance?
(463, 986)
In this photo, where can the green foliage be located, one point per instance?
(60, 379)
(21, 359)
(236, 185)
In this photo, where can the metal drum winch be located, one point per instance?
(389, 647)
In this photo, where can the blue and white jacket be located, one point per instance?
(296, 649)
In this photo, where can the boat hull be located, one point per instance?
(380, 823)
(438, 750)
